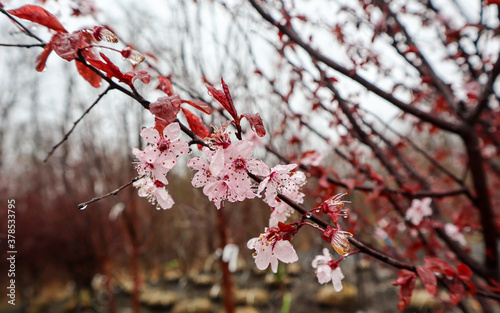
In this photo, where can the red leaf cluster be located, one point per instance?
(457, 281)
(224, 98)
(406, 280)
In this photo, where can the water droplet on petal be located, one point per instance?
(308, 215)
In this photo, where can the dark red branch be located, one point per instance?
(316, 55)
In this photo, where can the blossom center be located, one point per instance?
(240, 164)
(163, 145)
(158, 184)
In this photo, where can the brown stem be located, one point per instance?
(483, 202)
(227, 284)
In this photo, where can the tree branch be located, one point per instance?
(66, 136)
(83, 206)
(315, 54)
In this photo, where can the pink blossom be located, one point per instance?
(215, 187)
(328, 270)
(225, 175)
(220, 190)
(454, 233)
(418, 210)
(155, 192)
(238, 159)
(280, 213)
(253, 137)
(281, 180)
(203, 176)
(167, 146)
(148, 163)
(271, 247)
(220, 137)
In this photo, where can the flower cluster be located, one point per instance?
(226, 171)
(159, 156)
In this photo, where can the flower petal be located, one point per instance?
(285, 252)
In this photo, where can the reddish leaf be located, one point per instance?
(464, 272)
(42, 57)
(108, 67)
(66, 45)
(406, 280)
(228, 97)
(88, 75)
(196, 124)
(165, 85)
(143, 76)
(256, 123)
(494, 286)
(38, 15)
(165, 110)
(224, 98)
(440, 266)
(428, 279)
(200, 105)
(457, 291)
(286, 228)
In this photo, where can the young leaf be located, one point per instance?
(165, 110)
(406, 280)
(108, 67)
(142, 75)
(38, 15)
(66, 45)
(439, 266)
(42, 57)
(256, 123)
(196, 124)
(88, 75)
(428, 279)
(165, 85)
(224, 98)
(200, 105)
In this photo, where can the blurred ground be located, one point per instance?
(367, 288)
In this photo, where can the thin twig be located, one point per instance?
(83, 206)
(26, 30)
(22, 45)
(66, 136)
